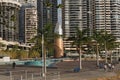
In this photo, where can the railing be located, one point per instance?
(28, 75)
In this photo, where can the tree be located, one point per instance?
(34, 54)
(109, 43)
(13, 52)
(22, 54)
(48, 4)
(60, 6)
(48, 39)
(97, 40)
(37, 46)
(79, 39)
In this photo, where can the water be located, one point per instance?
(49, 62)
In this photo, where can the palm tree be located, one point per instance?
(97, 39)
(48, 39)
(109, 43)
(60, 6)
(34, 54)
(45, 34)
(79, 39)
(22, 54)
(47, 43)
(48, 6)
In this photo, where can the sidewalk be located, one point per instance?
(66, 71)
(87, 75)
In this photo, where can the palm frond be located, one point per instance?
(60, 6)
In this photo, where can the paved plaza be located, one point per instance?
(65, 69)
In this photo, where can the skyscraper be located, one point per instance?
(106, 16)
(9, 20)
(28, 22)
(72, 18)
(49, 13)
(92, 14)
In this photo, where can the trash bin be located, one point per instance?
(101, 65)
(77, 69)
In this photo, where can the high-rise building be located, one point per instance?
(9, 20)
(46, 14)
(28, 22)
(49, 15)
(72, 18)
(92, 14)
(87, 19)
(107, 16)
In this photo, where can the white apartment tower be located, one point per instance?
(30, 24)
(107, 16)
(92, 14)
(72, 13)
(9, 20)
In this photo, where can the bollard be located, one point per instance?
(32, 76)
(26, 75)
(58, 75)
(21, 77)
(10, 75)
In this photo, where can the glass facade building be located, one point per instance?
(46, 14)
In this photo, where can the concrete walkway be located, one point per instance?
(89, 71)
(66, 71)
(87, 75)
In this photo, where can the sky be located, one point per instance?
(58, 28)
(59, 13)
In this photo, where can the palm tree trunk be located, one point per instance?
(117, 56)
(106, 54)
(44, 62)
(80, 58)
(97, 56)
(111, 57)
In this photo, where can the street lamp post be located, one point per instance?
(43, 54)
(106, 54)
